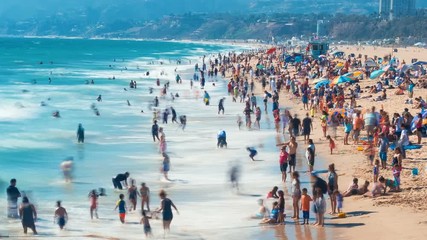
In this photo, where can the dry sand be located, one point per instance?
(396, 215)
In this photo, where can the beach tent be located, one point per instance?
(376, 74)
(325, 82)
(370, 63)
(341, 80)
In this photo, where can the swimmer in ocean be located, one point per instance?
(61, 215)
(67, 169)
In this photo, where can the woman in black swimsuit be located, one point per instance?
(166, 206)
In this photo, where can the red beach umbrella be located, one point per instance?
(271, 50)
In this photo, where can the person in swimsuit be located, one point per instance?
(281, 216)
(166, 208)
(133, 195)
(296, 194)
(28, 215)
(93, 196)
(155, 131)
(332, 186)
(166, 165)
(283, 161)
(146, 222)
(144, 192)
(121, 204)
(293, 145)
(61, 215)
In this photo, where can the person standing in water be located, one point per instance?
(166, 165)
(173, 115)
(221, 106)
(155, 131)
(67, 169)
(12, 199)
(28, 215)
(144, 192)
(133, 195)
(93, 196)
(166, 208)
(121, 204)
(80, 134)
(293, 145)
(61, 215)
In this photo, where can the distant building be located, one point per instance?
(396, 8)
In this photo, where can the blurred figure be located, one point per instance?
(80, 134)
(234, 175)
(144, 192)
(67, 168)
(93, 196)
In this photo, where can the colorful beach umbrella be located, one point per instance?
(376, 74)
(353, 75)
(320, 80)
(341, 80)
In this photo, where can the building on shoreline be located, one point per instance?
(396, 8)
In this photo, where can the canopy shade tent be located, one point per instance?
(419, 63)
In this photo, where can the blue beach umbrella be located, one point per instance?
(322, 83)
(376, 74)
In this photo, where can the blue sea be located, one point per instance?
(39, 76)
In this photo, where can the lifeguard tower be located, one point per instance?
(317, 48)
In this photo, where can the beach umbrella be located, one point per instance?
(376, 74)
(353, 75)
(419, 63)
(320, 80)
(341, 80)
(325, 82)
(271, 50)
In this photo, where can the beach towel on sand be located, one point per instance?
(407, 147)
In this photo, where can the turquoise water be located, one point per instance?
(33, 143)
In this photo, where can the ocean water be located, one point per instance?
(33, 143)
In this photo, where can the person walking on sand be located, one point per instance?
(166, 208)
(144, 192)
(296, 194)
(332, 186)
(61, 215)
(121, 204)
(28, 215)
(12, 199)
(307, 126)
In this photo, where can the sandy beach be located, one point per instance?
(395, 215)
